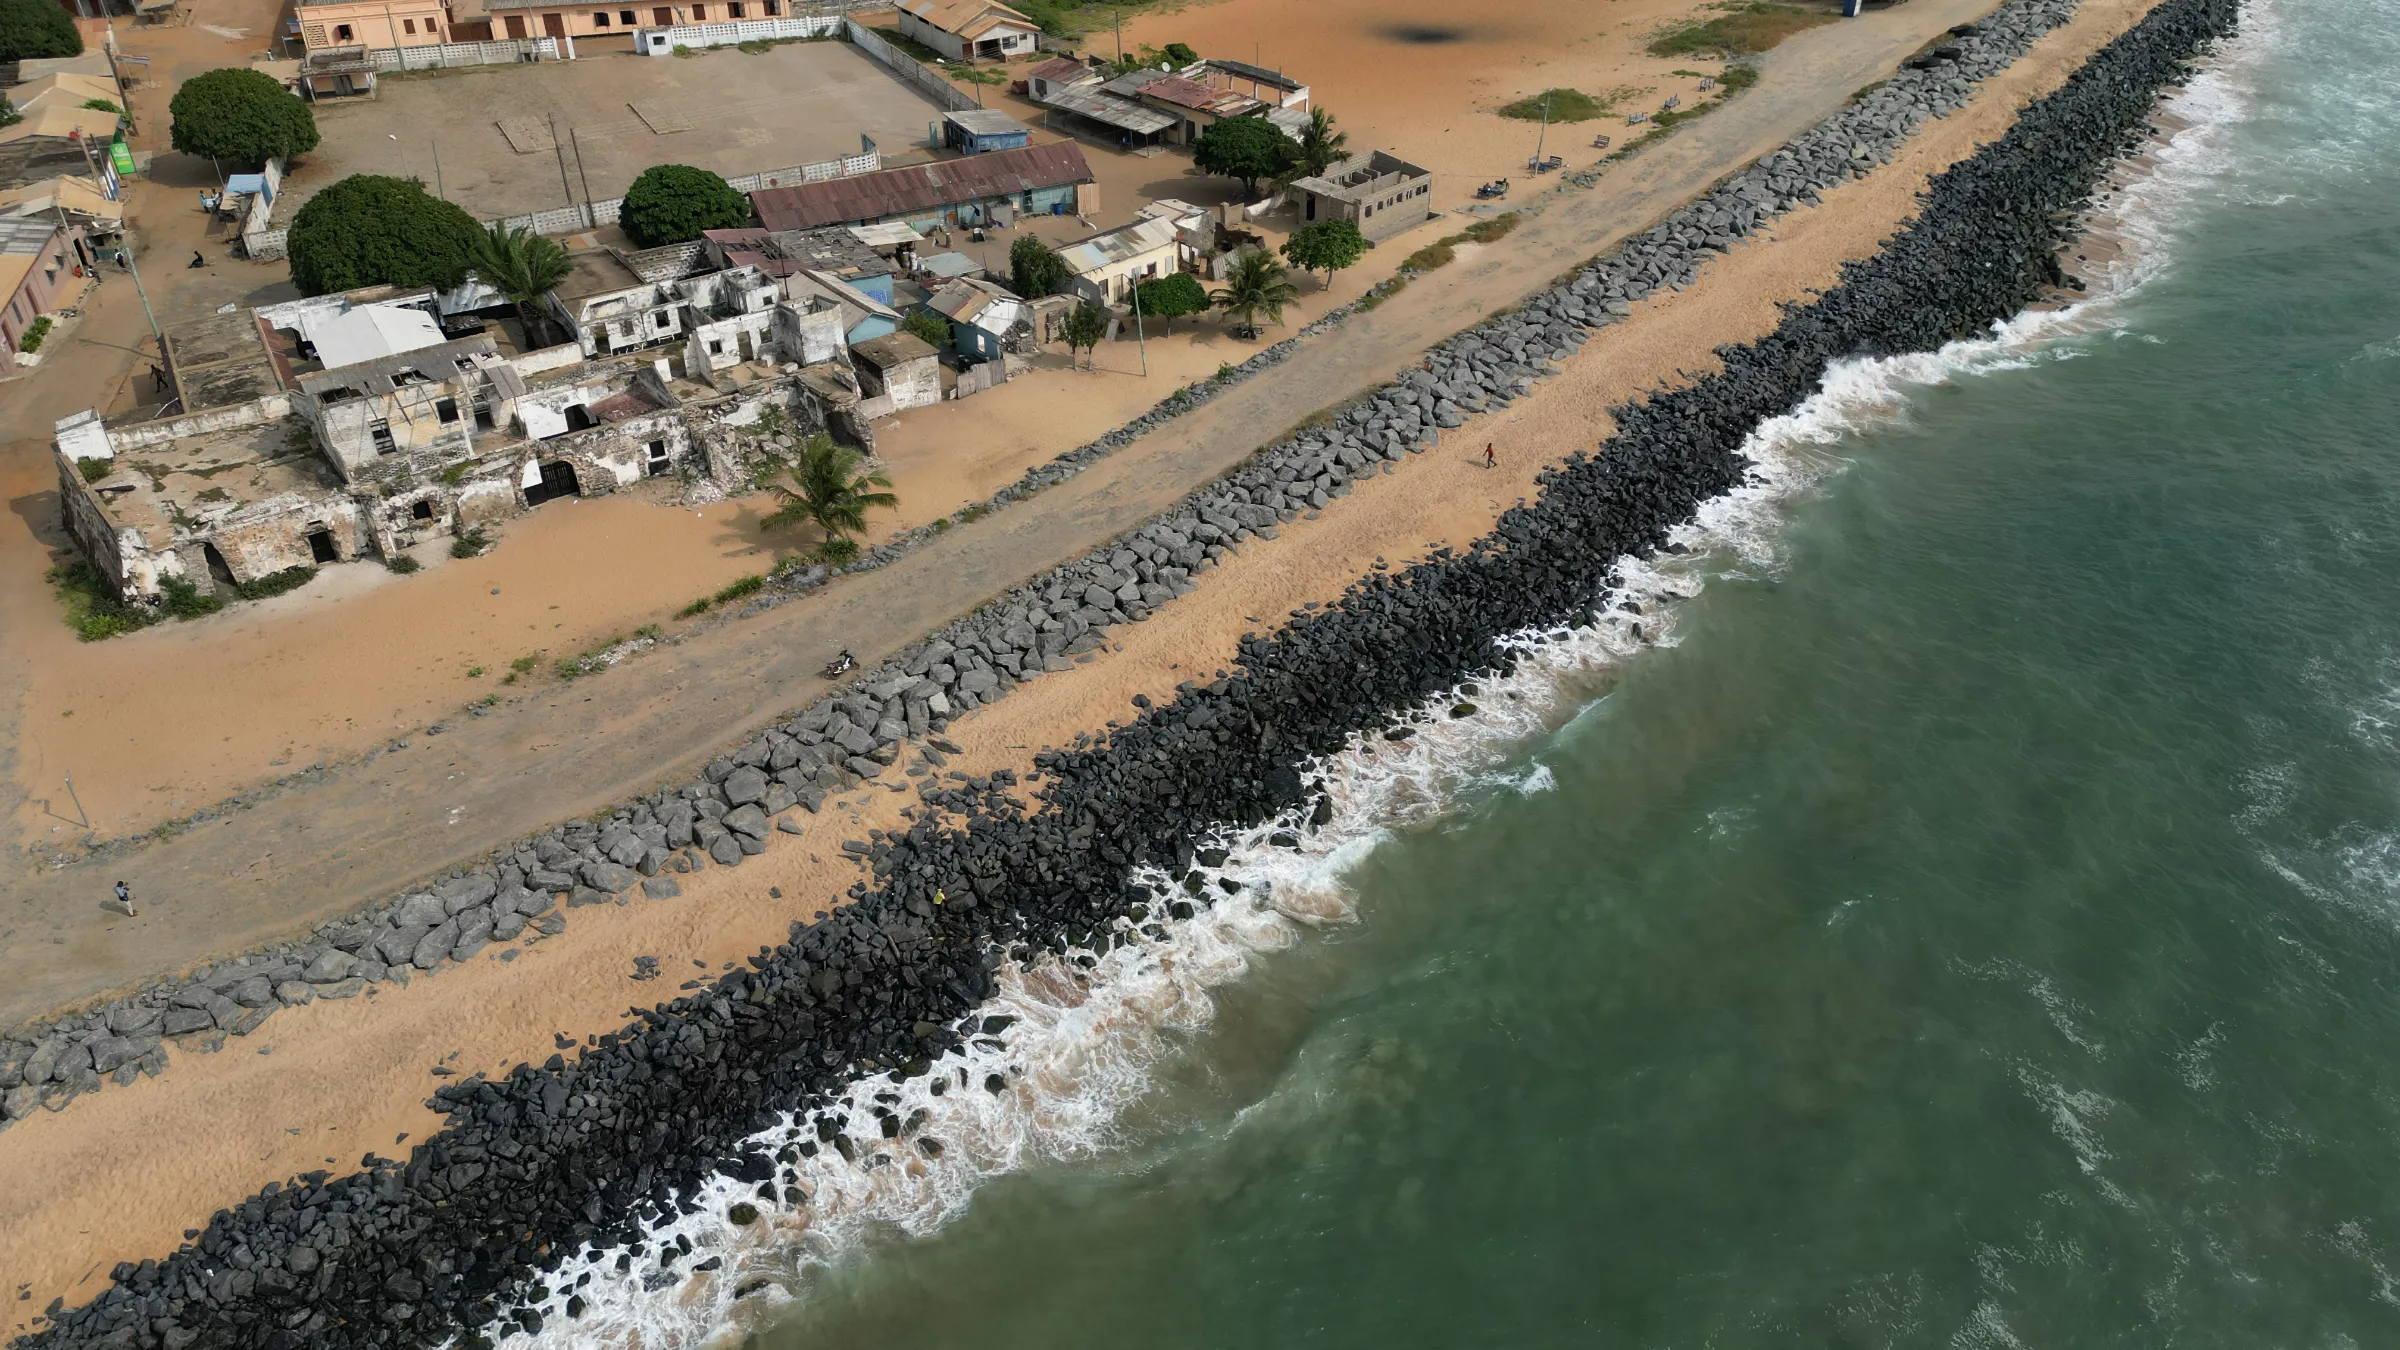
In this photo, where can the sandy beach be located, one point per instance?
(121, 1175)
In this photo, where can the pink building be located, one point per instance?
(39, 259)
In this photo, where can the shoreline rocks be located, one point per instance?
(567, 1153)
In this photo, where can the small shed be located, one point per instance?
(977, 131)
(901, 366)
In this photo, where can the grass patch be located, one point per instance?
(455, 474)
(91, 607)
(1738, 78)
(1743, 28)
(94, 468)
(908, 44)
(736, 589)
(1444, 251)
(648, 630)
(402, 564)
(275, 583)
(1485, 231)
(1569, 105)
(521, 667)
(469, 543)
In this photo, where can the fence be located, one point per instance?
(664, 41)
(592, 215)
(927, 80)
(449, 55)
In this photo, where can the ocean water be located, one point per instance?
(1969, 915)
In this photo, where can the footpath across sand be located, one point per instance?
(122, 1174)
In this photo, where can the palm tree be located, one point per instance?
(1257, 286)
(828, 491)
(522, 266)
(1320, 145)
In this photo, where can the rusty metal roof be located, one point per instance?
(921, 187)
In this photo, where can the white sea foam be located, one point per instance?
(1086, 1040)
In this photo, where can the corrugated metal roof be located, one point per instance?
(1124, 114)
(1086, 256)
(957, 16)
(921, 187)
(985, 122)
(1061, 69)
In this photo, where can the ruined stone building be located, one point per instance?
(360, 426)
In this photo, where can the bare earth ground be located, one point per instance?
(124, 1172)
(744, 112)
(367, 831)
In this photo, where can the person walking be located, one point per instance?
(125, 898)
(1491, 460)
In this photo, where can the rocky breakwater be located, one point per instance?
(456, 1241)
(893, 717)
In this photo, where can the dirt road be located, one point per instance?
(366, 832)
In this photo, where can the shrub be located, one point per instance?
(838, 551)
(469, 543)
(674, 203)
(91, 605)
(403, 564)
(927, 326)
(1485, 231)
(31, 30)
(369, 230)
(94, 468)
(31, 339)
(275, 583)
(695, 609)
(183, 599)
(240, 114)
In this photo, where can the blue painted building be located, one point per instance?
(980, 131)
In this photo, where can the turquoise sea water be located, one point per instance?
(1980, 926)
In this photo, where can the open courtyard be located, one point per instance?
(616, 114)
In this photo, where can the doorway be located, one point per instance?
(516, 27)
(321, 549)
(558, 480)
(555, 25)
(218, 571)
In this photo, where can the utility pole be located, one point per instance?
(560, 147)
(1545, 136)
(1140, 342)
(1120, 20)
(577, 141)
(437, 167)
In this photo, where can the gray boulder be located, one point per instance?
(748, 820)
(422, 910)
(607, 876)
(744, 786)
(330, 966)
(255, 992)
(293, 993)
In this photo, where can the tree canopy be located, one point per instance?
(1084, 328)
(369, 230)
(1256, 287)
(1327, 246)
(930, 328)
(242, 115)
(1248, 148)
(1035, 269)
(673, 203)
(1320, 145)
(522, 266)
(1171, 297)
(827, 490)
(33, 29)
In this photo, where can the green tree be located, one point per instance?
(673, 203)
(1320, 145)
(932, 327)
(826, 489)
(33, 29)
(1171, 297)
(1179, 54)
(1084, 328)
(1248, 148)
(1256, 287)
(9, 116)
(242, 115)
(369, 230)
(1327, 246)
(522, 266)
(1035, 269)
